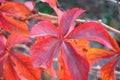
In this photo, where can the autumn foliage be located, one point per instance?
(68, 41)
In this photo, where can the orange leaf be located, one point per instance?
(81, 46)
(10, 73)
(11, 25)
(15, 9)
(64, 73)
(107, 71)
(24, 65)
(95, 54)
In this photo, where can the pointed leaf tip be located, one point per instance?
(107, 71)
(66, 23)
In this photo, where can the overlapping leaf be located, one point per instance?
(43, 52)
(11, 14)
(12, 25)
(89, 30)
(76, 64)
(15, 9)
(14, 66)
(64, 73)
(82, 46)
(93, 31)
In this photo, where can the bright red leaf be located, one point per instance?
(42, 29)
(42, 54)
(58, 36)
(67, 20)
(93, 31)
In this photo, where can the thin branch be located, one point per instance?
(114, 1)
(54, 20)
(110, 28)
(23, 46)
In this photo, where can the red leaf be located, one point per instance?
(16, 38)
(10, 73)
(12, 25)
(29, 5)
(15, 9)
(3, 39)
(1, 1)
(93, 31)
(2, 61)
(75, 63)
(44, 29)
(42, 52)
(2, 45)
(2, 54)
(107, 71)
(66, 24)
(24, 65)
(64, 73)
